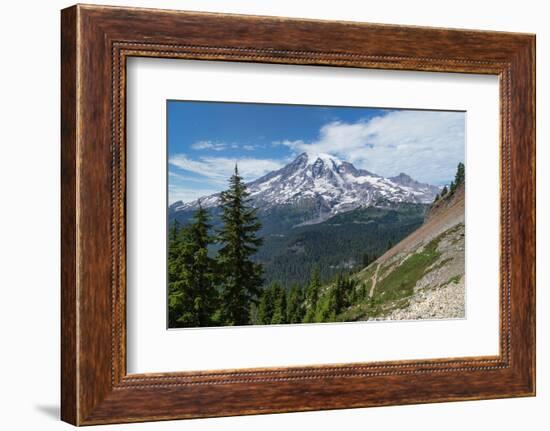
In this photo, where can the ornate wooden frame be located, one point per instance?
(95, 42)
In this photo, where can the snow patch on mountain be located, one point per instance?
(332, 185)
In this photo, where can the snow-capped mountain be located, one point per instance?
(331, 185)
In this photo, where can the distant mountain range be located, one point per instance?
(318, 187)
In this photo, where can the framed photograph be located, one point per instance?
(264, 215)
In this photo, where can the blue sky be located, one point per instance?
(206, 139)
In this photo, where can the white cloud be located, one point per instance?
(186, 194)
(209, 145)
(425, 144)
(175, 177)
(219, 169)
(220, 146)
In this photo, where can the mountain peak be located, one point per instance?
(402, 176)
(405, 180)
(328, 186)
(324, 157)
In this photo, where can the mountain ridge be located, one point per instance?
(325, 184)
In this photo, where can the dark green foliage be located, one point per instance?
(339, 295)
(295, 304)
(459, 179)
(341, 243)
(173, 232)
(332, 300)
(324, 311)
(175, 276)
(460, 174)
(363, 292)
(204, 291)
(266, 306)
(312, 296)
(272, 307)
(191, 279)
(282, 218)
(367, 259)
(344, 293)
(290, 251)
(240, 277)
(279, 305)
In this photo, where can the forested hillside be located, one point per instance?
(421, 277)
(344, 242)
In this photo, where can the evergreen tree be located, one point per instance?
(343, 293)
(444, 191)
(173, 233)
(350, 289)
(191, 284)
(279, 305)
(241, 278)
(295, 304)
(265, 307)
(339, 294)
(390, 244)
(460, 174)
(452, 187)
(312, 296)
(176, 275)
(325, 310)
(353, 293)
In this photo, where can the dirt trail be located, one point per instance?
(374, 279)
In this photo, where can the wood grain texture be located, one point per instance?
(96, 41)
(69, 397)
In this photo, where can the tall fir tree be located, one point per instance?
(240, 277)
(265, 307)
(279, 305)
(312, 296)
(176, 275)
(191, 274)
(295, 304)
(460, 174)
(338, 294)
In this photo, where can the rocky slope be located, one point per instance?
(422, 277)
